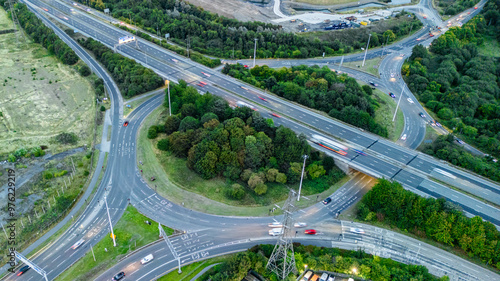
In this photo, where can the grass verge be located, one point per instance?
(371, 66)
(131, 233)
(189, 271)
(183, 186)
(385, 113)
(133, 104)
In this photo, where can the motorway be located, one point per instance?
(383, 159)
(122, 181)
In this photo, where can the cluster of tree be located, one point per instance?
(460, 85)
(238, 144)
(132, 78)
(195, 56)
(453, 7)
(43, 35)
(36, 151)
(444, 147)
(438, 219)
(491, 12)
(320, 88)
(237, 266)
(218, 36)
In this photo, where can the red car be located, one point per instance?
(475, 8)
(262, 98)
(275, 115)
(125, 124)
(310, 231)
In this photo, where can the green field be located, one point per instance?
(371, 66)
(39, 96)
(490, 47)
(131, 233)
(189, 271)
(385, 113)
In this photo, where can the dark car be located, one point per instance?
(460, 141)
(373, 84)
(23, 270)
(392, 95)
(327, 200)
(421, 115)
(119, 276)
(125, 124)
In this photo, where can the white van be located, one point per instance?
(276, 231)
(323, 277)
(307, 276)
(147, 259)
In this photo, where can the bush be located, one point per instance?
(261, 189)
(84, 71)
(86, 173)
(12, 158)
(152, 132)
(254, 180)
(48, 175)
(172, 124)
(67, 138)
(163, 144)
(281, 178)
(103, 108)
(60, 173)
(236, 192)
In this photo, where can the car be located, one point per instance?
(23, 270)
(45, 9)
(203, 83)
(421, 115)
(359, 152)
(119, 276)
(65, 18)
(327, 200)
(403, 137)
(418, 39)
(460, 141)
(433, 124)
(373, 84)
(276, 231)
(431, 35)
(264, 99)
(475, 8)
(125, 124)
(425, 17)
(153, 178)
(392, 75)
(410, 100)
(275, 224)
(392, 95)
(77, 244)
(299, 224)
(206, 74)
(438, 124)
(310, 231)
(458, 19)
(357, 230)
(200, 85)
(402, 55)
(468, 13)
(147, 259)
(244, 88)
(245, 66)
(275, 115)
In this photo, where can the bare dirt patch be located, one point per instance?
(39, 96)
(240, 10)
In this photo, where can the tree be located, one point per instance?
(389, 35)
(294, 172)
(236, 192)
(152, 132)
(254, 180)
(189, 123)
(163, 144)
(172, 124)
(271, 175)
(281, 178)
(261, 189)
(315, 171)
(84, 71)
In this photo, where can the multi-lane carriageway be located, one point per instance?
(383, 159)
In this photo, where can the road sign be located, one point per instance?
(167, 35)
(112, 235)
(30, 264)
(167, 82)
(126, 39)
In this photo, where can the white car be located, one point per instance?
(147, 259)
(206, 74)
(275, 224)
(77, 244)
(403, 137)
(276, 231)
(410, 100)
(357, 230)
(300, 224)
(174, 60)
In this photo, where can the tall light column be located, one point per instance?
(366, 50)
(302, 176)
(110, 224)
(254, 51)
(400, 96)
(169, 105)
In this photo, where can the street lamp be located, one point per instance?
(366, 50)
(302, 176)
(354, 270)
(254, 51)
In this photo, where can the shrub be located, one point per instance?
(152, 132)
(67, 138)
(103, 108)
(254, 180)
(84, 71)
(163, 144)
(281, 178)
(48, 175)
(236, 192)
(261, 189)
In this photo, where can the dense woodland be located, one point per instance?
(43, 35)
(238, 144)
(218, 36)
(131, 77)
(438, 220)
(453, 7)
(320, 88)
(458, 84)
(336, 260)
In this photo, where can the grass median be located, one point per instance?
(385, 113)
(131, 233)
(189, 271)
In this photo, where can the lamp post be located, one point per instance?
(254, 51)
(366, 50)
(302, 176)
